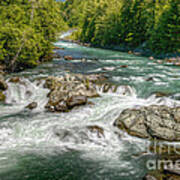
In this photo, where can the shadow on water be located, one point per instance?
(65, 166)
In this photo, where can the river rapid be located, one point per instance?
(31, 148)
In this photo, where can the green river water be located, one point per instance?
(29, 146)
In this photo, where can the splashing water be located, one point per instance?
(49, 146)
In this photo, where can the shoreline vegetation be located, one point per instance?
(174, 59)
(148, 28)
(28, 29)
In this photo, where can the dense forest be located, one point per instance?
(27, 30)
(152, 24)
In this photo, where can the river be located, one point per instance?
(29, 145)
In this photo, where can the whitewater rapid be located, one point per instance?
(58, 145)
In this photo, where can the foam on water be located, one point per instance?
(40, 140)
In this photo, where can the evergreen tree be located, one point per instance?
(27, 30)
(127, 22)
(165, 36)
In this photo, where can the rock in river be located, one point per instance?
(160, 122)
(91, 134)
(68, 58)
(69, 91)
(76, 100)
(96, 129)
(14, 80)
(2, 96)
(3, 85)
(32, 106)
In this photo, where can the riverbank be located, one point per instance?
(170, 58)
(5, 69)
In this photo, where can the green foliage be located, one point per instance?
(71, 11)
(127, 22)
(27, 30)
(165, 36)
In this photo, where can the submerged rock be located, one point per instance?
(123, 66)
(150, 79)
(160, 122)
(69, 91)
(14, 80)
(28, 93)
(3, 84)
(162, 94)
(69, 58)
(96, 129)
(91, 134)
(32, 106)
(90, 103)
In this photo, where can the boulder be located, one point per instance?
(162, 94)
(28, 93)
(123, 66)
(69, 91)
(151, 58)
(160, 122)
(90, 103)
(76, 101)
(14, 80)
(86, 44)
(96, 129)
(69, 58)
(92, 134)
(3, 84)
(150, 79)
(32, 106)
(2, 96)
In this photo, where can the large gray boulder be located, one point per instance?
(160, 122)
(69, 91)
